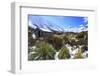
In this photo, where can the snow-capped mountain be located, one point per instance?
(48, 26)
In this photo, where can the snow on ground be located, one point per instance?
(85, 54)
(56, 56)
(72, 50)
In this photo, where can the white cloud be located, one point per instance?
(77, 29)
(81, 25)
(72, 29)
(85, 19)
(86, 25)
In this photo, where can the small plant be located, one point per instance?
(43, 51)
(57, 41)
(64, 53)
(78, 55)
(66, 39)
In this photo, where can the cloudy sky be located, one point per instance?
(58, 23)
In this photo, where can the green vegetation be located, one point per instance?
(82, 38)
(31, 41)
(78, 55)
(57, 41)
(84, 48)
(49, 43)
(64, 53)
(43, 51)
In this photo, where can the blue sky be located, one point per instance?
(72, 23)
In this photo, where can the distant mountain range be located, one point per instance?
(47, 26)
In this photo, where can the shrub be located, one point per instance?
(78, 55)
(82, 38)
(64, 53)
(84, 48)
(43, 51)
(66, 39)
(31, 41)
(57, 41)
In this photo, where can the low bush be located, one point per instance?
(64, 53)
(43, 51)
(78, 55)
(57, 41)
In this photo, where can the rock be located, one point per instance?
(34, 36)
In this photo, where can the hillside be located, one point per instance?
(44, 45)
